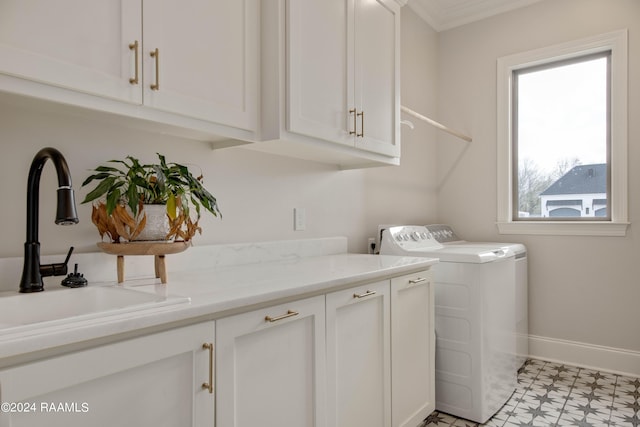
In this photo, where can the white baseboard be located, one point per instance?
(609, 359)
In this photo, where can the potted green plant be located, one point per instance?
(126, 186)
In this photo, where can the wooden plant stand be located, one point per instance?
(157, 249)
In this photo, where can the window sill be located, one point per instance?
(564, 228)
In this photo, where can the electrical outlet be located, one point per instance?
(371, 245)
(299, 219)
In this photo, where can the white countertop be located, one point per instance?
(214, 290)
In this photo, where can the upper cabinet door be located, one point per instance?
(377, 75)
(319, 92)
(75, 44)
(343, 72)
(205, 59)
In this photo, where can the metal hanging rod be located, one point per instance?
(436, 124)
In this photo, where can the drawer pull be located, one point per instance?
(135, 48)
(209, 385)
(366, 294)
(290, 313)
(361, 134)
(418, 280)
(156, 54)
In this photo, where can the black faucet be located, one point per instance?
(66, 215)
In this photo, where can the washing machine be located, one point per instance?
(474, 320)
(444, 234)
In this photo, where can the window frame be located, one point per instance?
(616, 42)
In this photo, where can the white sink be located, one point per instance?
(29, 311)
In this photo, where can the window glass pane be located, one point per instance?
(561, 140)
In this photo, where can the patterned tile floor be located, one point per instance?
(550, 394)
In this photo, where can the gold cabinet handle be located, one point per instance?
(209, 385)
(418, 280)
(361, 115)
(135, 47)
(366, 294)
(290, 313)
(353, 111)
(156, 54)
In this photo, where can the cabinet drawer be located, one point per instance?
(410, 280)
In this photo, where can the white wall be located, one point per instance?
(257, 192)
(583, 289)
(407, 195)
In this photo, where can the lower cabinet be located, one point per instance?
(270, 366)
(155, 380)
(363, 356)
(412, 349)
(358, 357)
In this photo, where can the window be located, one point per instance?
(560, 125)
(562, 139)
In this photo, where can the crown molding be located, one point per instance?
(445, 15)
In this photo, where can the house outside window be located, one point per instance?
(569, 179)
(580, 193)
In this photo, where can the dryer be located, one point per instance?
(474, 320)
(444, 234)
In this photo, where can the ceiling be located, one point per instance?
(446, 14)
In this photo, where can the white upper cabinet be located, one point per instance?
(205, 61)
(376, 76)
(197, 60)
(320, 88)
(314, 79)
(73, 44)
(330, 81)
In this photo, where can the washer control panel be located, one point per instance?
(442, 233)
(407, 238)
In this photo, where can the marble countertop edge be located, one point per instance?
(212, 294)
